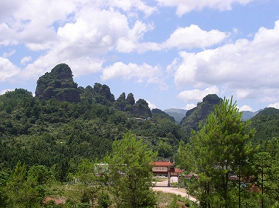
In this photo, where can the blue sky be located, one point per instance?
(170, 52)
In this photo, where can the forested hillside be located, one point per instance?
(199, 114)
(64, 123)
(266, 123)
(56, 135)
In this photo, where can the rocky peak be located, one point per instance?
(212, 99)
(58, 84)
(199, 114)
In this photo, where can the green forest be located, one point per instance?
(95, 150)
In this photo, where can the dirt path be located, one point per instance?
(162, 186)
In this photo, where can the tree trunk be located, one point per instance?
(239, 199)
(262, 188)
(226, 190)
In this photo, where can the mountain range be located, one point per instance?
(177, 114)
(65, 122)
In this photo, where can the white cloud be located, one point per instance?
(26, 24)
(128, 5)
(25, 60)
(129, 42)
(182, 38)
(84, 42)
(194, 37)
(246, 67)
(144, 73)
(197, 95)
(185, 6)
(23, 21)
(190, 106)
(2, 92)
(81, 33)
(7, 69)
(151, 105)
(245, 108)
(274, 105)
(79, 65)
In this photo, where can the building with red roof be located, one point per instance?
(165, 168)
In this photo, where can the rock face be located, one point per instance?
(58, 84)
(141, 109)
(102, 94)
(199, 114)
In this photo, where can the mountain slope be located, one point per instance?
(177, 114)
(199, 114)
(266, 124)
(247, 115)
(55, 132)
(159, 114)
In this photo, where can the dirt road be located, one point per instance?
(162, 186)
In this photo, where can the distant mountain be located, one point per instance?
(247, 115)
(266, 123)
(198, 114)
(159, 114)
(177, 114)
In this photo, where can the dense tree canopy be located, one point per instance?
(61, 133)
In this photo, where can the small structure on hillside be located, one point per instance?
(165, 168)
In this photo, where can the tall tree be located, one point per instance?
(221, 149)
(262, 170)
(184, 157)
(27, 188)
(130, 173)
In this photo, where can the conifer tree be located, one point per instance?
(221, 150)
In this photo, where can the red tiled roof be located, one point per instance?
(161, 164)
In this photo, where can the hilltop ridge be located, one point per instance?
(58, 84)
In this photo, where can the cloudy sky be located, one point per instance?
(169, 52)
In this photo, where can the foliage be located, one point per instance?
(141, 109)
(60, 134)
(27, 188)
(221, 150)
(164, 150)
(91, 183)
(199, 114)
(130, 173)
(158, 114)
(266, 122)
(185, 157)
(173, 203)
(58, 84)
(57, 141)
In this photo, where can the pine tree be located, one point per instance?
(222, 150)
